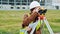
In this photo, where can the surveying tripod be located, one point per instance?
(42, 19)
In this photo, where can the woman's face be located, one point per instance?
(38, 8)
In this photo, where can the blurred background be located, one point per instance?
(24, 4)
(12, 12)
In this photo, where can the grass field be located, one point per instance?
(10, 21)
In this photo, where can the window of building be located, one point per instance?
(23, 7)
(4, 0)
(4, 3)
(11, 3)
(0, 6)
(0, 2)
(24, 3)
(42, 2)
(24, 0)
(28, 3)
(11, 0)
(18, 0)
(12, 7)
(30, 0)
(17, 3)
(18, 7)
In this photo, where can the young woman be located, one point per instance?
(34, 8)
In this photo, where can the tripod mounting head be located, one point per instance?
(42, 11)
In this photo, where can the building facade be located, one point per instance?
(21, 4)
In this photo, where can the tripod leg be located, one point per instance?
(42, 27)
(34, 28)
(48, 26)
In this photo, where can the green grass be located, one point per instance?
(10, 21)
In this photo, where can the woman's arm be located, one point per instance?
(29, 19)
(25, 16)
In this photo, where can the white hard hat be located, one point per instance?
(34, 4)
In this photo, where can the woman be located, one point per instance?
(34, 8)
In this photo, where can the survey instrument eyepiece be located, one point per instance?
(42, 11)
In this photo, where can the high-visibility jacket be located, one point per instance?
(39, 23)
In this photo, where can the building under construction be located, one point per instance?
(23, 4)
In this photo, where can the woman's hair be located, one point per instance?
(31, 10)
